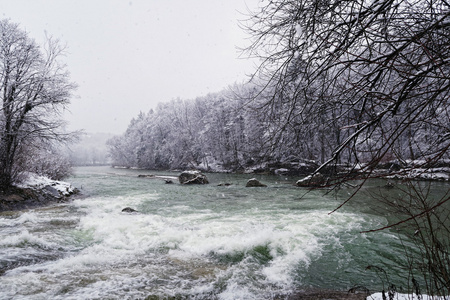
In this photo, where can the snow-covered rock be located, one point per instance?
(312, 181)
(281, 171)
(192, 177)
(253, 182)
(35, 191)
(38, 182)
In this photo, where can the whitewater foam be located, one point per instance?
(26, 239)
(194, 241)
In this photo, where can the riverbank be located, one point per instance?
(404, 170)
(35, 191)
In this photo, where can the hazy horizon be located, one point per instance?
(127, 56)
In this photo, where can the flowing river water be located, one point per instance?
(193, 242)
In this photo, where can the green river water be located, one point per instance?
(194, 242)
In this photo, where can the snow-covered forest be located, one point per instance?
(236, 130)
(220, 131)
(361, 85)
(231, 130)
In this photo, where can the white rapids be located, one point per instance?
(205, 242)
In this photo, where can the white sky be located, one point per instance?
(128, 55)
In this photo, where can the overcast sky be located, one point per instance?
(128, 55)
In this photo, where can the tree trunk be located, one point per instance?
(6, 159)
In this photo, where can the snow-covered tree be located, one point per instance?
(34, 89)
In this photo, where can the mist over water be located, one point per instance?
(202, 242)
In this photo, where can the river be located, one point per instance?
(195, 242)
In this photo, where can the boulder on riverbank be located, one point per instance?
(16, 198)
(35, 191)
(192, 177)
(253, 182)
(315, 180)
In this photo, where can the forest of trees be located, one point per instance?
(340, 82)
(219, 131)
(241, 128)
(231, 130)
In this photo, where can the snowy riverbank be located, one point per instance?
(35, 191)
(35, 181)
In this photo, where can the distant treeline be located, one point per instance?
(238, 129)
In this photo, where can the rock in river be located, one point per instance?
(315, 180)
(129, 210)
(253, 182)
(192, 177)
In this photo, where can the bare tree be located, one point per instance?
(382, 67)
(34, 89)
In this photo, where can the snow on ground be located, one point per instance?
(39, 182)
(379, 296)
(441, 174)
